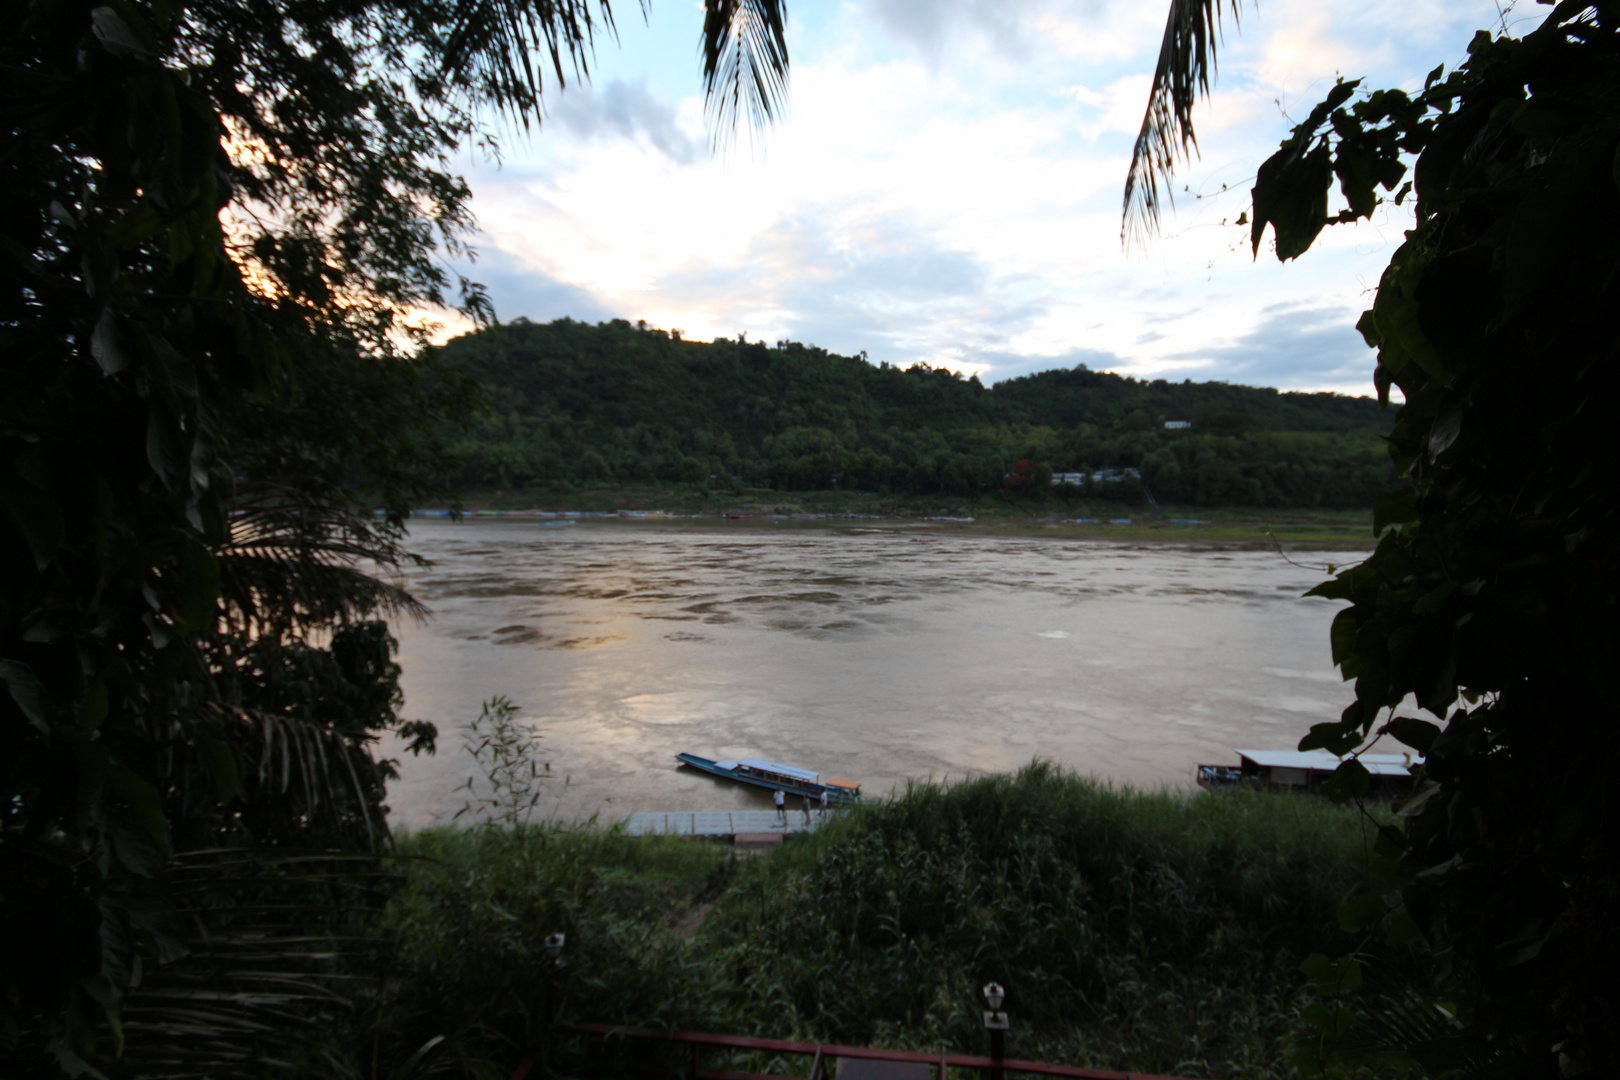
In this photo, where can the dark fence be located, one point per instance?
(823, 1055)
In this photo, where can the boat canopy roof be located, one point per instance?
(848, 785)
(727, 765)
(1321, 760)
(762, 765)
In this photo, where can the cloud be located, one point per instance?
(1085, 95)
(883, 284)
(518, 288)
(927, 27)
(947, 190)
(1294, 346)
(1038, 31)
(1010, 365)
(628, 111)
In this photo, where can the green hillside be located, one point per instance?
(614, 404)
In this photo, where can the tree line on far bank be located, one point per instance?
(617, 404)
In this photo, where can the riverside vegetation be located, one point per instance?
(575, 406)
(200, 426)
(1142, 932)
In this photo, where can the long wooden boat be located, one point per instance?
(774, 776)
(1305, 770)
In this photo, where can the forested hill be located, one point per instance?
(614, 403)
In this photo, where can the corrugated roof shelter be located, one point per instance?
(1322, 761)
(781, 770)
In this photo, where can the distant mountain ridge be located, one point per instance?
(573, 403)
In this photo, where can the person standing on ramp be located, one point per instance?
(781, 806)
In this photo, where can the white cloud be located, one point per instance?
(1095, 32)
(1085, 95)
(628, 111)
(947, 188)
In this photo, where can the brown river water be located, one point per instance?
(857, 651)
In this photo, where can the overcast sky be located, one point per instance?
(946, 188)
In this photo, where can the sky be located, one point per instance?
(945, 188)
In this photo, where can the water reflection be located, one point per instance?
(856, 651)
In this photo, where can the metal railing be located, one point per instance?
(822, 1053)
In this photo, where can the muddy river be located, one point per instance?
(880, 654)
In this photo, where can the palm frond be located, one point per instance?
(488, 46)
(287, 778)
(300, 757)
(1186, 65)
(1407, 1027)
(298, 558)
(263, 988)
(745, 65)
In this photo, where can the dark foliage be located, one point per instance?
(219, 220)
(121, 328)
(616, 404)
(1491, 600)
(188, 470)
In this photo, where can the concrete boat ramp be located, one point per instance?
(749, 827)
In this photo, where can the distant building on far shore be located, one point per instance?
(1101, 476)
(1177, 421)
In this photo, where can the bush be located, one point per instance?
(1148, 932)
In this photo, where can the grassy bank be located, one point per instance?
(1135, 932)
(995, 516)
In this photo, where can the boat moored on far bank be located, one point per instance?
(1307, 770)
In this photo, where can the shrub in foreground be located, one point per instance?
(1147, 932)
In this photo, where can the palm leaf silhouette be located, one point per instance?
(745, 64)
(1185, 68)
(264, 985)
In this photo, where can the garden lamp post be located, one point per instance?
(553, 971)
(996, 1023)
(554, 949)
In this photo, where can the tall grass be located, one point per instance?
(1132, 931)
(468, 930)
